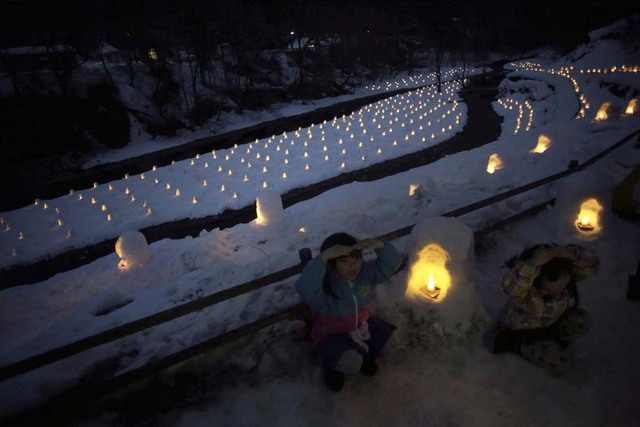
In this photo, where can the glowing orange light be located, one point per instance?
(544, 142)
(632, 107)
(588, 220)
(494, 164)
(428, 275)
(602, 113)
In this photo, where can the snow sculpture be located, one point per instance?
(269, 208)
(441, 275)
(133, 250)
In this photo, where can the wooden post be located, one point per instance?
(305, 256)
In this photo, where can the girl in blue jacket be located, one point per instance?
(336, 285)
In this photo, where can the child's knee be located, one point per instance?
(350, 362)
(576, 325)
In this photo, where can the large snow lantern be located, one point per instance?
(588, 219)
(269, 208)
(437, 247)
(440, 278)
(133, 250)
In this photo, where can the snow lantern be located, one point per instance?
(588, 219)
(269, 208)
(581, 203)
(133, 250)
(603, 112)
(494, 164)
(544, 142)
(441, 273)
(632, 107)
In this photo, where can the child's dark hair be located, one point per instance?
(332, 240)
(551, 270)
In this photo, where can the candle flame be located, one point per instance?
(430, 284)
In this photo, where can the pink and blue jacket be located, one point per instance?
(344, 314)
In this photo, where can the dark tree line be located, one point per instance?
(213, 55)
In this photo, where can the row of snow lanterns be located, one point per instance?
(606, 110)
(509, 103)
(384, 109)
(413, 81)
(588, 218)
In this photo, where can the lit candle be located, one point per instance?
(431, 290)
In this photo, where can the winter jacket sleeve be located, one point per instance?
(309, 283)
(517, 281)
(387, 262)
(586, 262)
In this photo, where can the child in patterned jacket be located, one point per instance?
(542, 316)
(336, 285)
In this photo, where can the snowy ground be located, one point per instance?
(428, 375)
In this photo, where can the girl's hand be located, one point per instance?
(363, 245)
(336, 252)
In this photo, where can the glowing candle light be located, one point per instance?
(108, 217)
(204, 183)
(222, 188)
(284, 175)
(168, 187)
(46, 205)
(178, 193)
(264, 184)
(544, 142)
(111, 187)
(194, 200)
(104, 208)
(306, 167)
(69, 234)
(235, 195)
(494, 163)
(126, 191)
